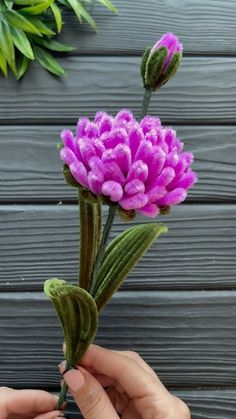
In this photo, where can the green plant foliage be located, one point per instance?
(27, 29)
(121, 255)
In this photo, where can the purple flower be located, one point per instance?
(171, 43)
(139, 165)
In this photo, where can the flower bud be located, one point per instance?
(161, 62)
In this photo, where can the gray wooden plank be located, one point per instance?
(187, 337)
(203, 404)
(203, 26)
(30, 168)
(39, 242)
(203, 91)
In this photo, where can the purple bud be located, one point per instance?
(171, 42)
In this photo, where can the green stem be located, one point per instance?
(64, 389)
(90, 227)
(102, 246)
(146, 100)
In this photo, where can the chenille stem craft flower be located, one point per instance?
(133, 166)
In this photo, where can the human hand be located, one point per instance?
(111, 384)
(27, 404)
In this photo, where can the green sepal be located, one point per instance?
(144, 63)
(126, 215)
(90, 236)
(121, 255)
(154, 67)
(165, 210)
(171, 70)
(89, 196)
(69, 178)
(78, 316)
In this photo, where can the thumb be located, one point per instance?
(89, 395)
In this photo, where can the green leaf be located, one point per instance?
(26, 2)
(9, 4)
(122, 254)
(81, 11)
(53, 45)
(21, 42)
(109, 5)
(6, 45)
(78, 315)
(3, 63)
(48, 61)
(41, 27)
(17, 20)
(38, 9)
(22, 66)
(57, 15)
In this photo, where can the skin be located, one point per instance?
(111, 384)
(27, 404)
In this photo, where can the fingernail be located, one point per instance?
(62, 366)
(74, 379)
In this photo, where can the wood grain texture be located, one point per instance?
(39, 242)
(203, 91)
(203, 404)
(203, 26)
(189, 338)
(30, 168)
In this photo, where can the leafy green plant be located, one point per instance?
(28, 28)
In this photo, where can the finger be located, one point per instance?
(140, 361)
(26, 401)
(89, 395)
(56, 414)
(118, 400)
(131, 376)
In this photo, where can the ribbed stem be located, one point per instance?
(145, 103)
(90, 227)
(64, 389)
(102, 246)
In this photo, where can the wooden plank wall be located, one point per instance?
(184, 290)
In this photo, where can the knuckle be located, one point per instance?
(134, 355)
(183, 409)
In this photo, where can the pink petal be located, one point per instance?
(166, 176)
(135, 137)
(156, 193)
(99, 116)
(79, 172)
(67, 155)
(95, 163)
(87, 149)
(138, 170)
(187, 180)
(95, 181)
(112, 172)
(123, 117)
(150, 210)
(134, 186)
(123, 157)
(144, 152)
(113, 190)
(134, 201)
(81, 125)
(91, 130)
(116, 136)
(173, 198)
(105, 124)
